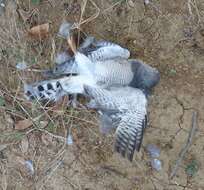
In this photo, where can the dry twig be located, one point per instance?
(187, 145)
(72, 44)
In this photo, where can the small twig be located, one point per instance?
(52, 135)
(74, 186)
(71, 44)
(111, 7)
(189, 7)
(113, 170)
(44, 181)
(89, 19)
(187, 145)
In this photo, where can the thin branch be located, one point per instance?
(185, 149)
(52, 135)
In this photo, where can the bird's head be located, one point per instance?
(68, 67)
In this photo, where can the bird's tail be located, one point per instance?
(49, 90)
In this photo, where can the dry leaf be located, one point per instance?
(23, 124)
(24, 145)
(71, 43)
(26, 123)
(40, 31)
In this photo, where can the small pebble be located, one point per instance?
(153, 150)
(156, 164)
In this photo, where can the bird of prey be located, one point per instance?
(116, 85)
(123, 109)
(110, 65)
(97, 63)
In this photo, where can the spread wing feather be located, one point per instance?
(95, 51)
(131, 119)
(129, 134)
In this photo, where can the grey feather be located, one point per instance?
(145, 76)
(117, 72)
(108, 74)
(129, 116)
(109, 67)
(107, 123)
(95, 51)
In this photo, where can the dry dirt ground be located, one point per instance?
(166, 34)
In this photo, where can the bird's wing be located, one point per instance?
(129, 116)
(106, 122)
(129, 133)
(84, 64)
(100, 50)
(101, 99)
(109, 52)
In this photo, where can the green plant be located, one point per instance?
(2, 101)
(35, 1)
(192, 168)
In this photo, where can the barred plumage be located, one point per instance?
(129, 119)
(104, 64)
(95, 51)
(116, 85)
(113, 72)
